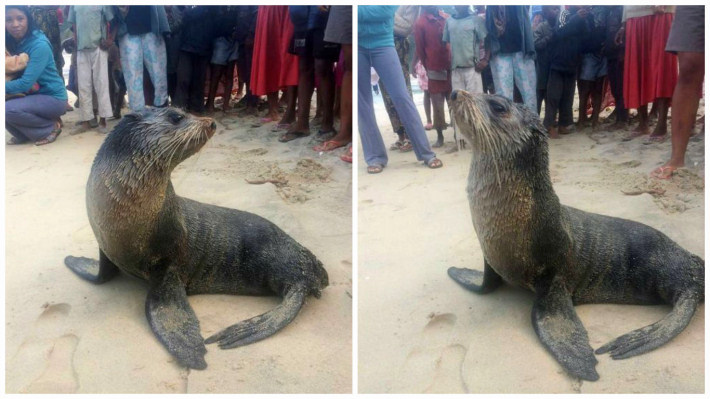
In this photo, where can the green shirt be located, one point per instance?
(90, 24)
(466, 36)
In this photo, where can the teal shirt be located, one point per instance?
(90, 24)
(40, 68)
(375, 26)
(466, 36)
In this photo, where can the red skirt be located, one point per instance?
(289, 62)
(649, 71)
(272, 68)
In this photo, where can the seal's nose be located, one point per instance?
(213, 125)
(454, 94)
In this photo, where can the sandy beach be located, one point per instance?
(419, 332)
(65, 335)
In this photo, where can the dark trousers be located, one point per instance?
(244, 69)
(191, 74)
(615, 72)
(541, 93)
(560, 96)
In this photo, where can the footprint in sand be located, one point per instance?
(58, 375)
(44, 363)
(434, 363)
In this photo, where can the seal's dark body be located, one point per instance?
(565, 255)
(184, 247)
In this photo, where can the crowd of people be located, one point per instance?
(180, 56)
(627, 56)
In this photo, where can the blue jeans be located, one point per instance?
(33, 117)
(386, 64)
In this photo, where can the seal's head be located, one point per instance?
(156, 138)
(139, 154)
(494, 125)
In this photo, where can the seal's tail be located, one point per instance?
(262, 326)
(651, 337)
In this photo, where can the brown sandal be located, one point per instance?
(51, 138)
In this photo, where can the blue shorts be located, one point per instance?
(593, 67)
(224, 51)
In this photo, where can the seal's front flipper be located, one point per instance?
(651, 337)
(262, 326)
(560, 330)
(173, 320)
(474, 280)
(92, 270)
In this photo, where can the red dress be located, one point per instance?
(272, 68)
(649, 71)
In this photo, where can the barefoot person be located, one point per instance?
(686, 39)
(35, 116)
(650, 73)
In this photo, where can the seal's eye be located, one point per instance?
(175, 118)
(497, 107)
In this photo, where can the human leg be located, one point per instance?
(101, 85)
(566, 102)
(437, 102)
(584, 88)
(183, 76)
(216, 72)
(502, 71)
(373, 147)
(552, 103)
(132, 66)
(156, 62)
(525, 78)
(84, 81)
(386, 63)
(33, 117)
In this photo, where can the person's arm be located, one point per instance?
(112, 28)
(40, 57)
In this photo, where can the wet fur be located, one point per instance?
(565, 255)
(183, 247)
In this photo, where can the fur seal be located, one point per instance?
(183, 247)
(564, 255)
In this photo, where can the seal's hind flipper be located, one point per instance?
(92, 270)
(173, 320)
(262, 326)
(651, 337)
(560, 330)
(474, 280)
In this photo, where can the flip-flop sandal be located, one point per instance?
(375, 169)
(329, 145)
(49, 139)
(406, 146)
(396, 145)
(324, 135)
(660, 172)
(428, 126)
(347, 156)
(434, 163)
(290, 136)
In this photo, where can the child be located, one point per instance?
(466, 33)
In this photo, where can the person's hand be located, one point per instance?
(659, 9)
(105, 44)
(583, 12)
(619, 39)
(481, 65)
(123, 10)
(324, 8)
